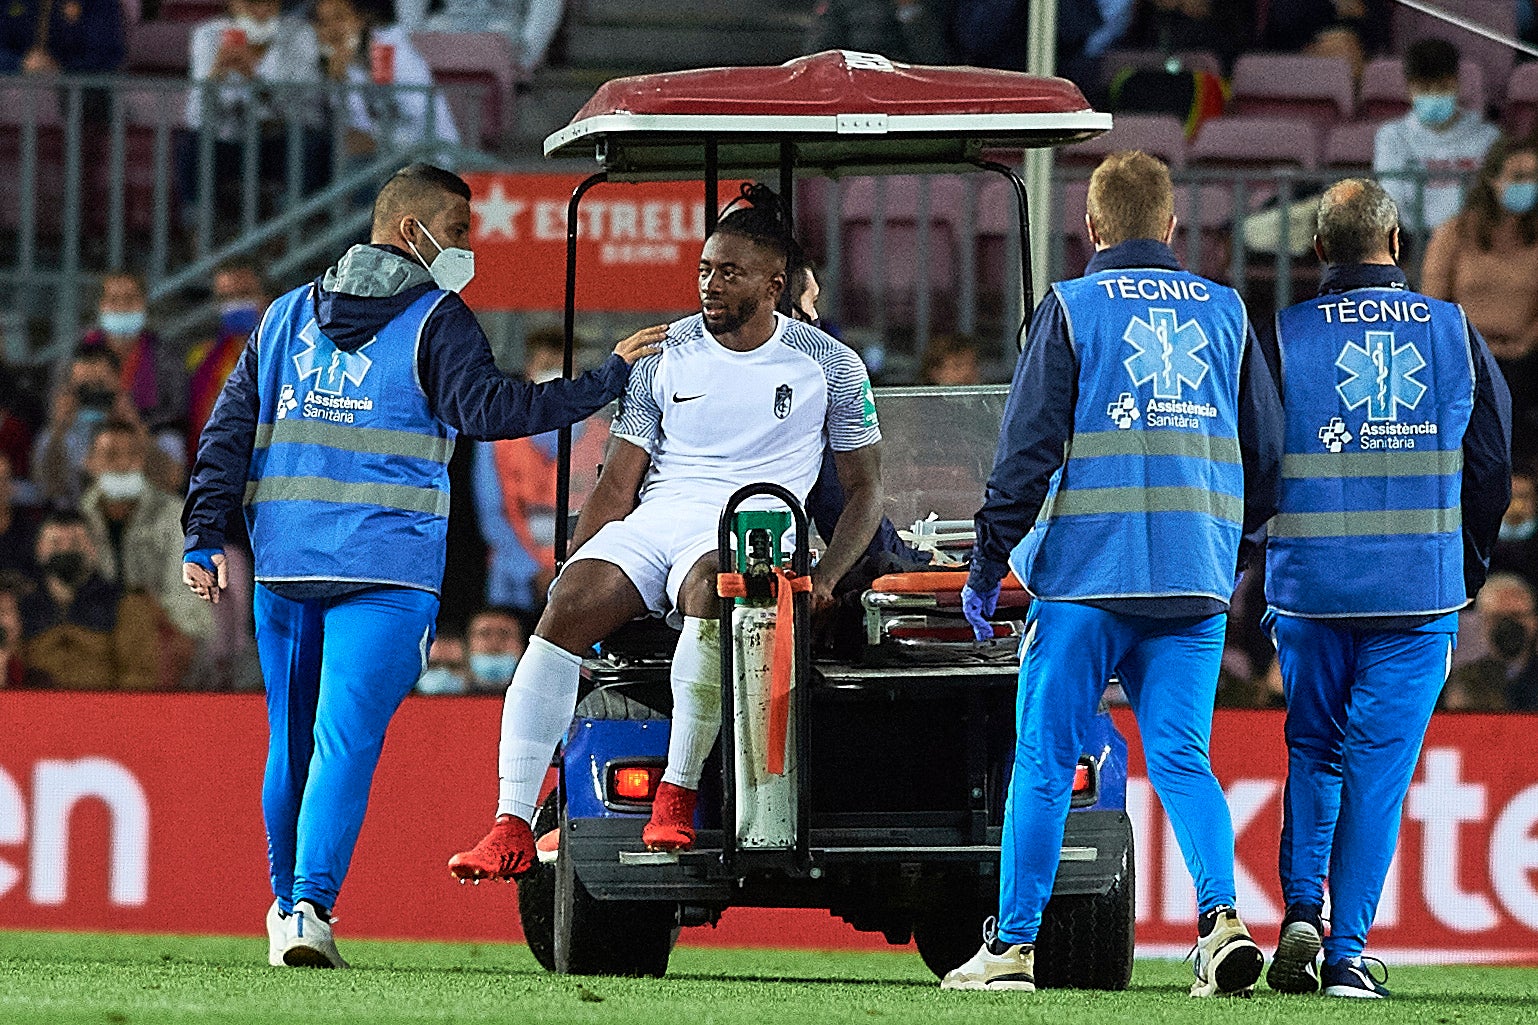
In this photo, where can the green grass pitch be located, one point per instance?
(83, 979)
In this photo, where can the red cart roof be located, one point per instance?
(842, 110)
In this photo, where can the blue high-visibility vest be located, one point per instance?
(349, 476)
(1149, 501)
(1378, 387)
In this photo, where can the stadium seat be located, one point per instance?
(192, 10)
(1192, 60)
(1521, 113)
(896, 264)
(473, 58)
(1384, 94)
(1160, 135)
(20, 106)
(1349, 146)
(1496, 59)
(159, 48)
(1293, 85)
(1249, 142)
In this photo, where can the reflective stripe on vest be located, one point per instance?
(1378, 388)
(324, 489)
(372, 440)
(1156, 443)
(1095, 501)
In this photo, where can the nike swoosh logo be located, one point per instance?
(687, 398)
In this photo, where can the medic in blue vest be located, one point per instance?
(1141, 439)
(1396, 471)
(334, 434)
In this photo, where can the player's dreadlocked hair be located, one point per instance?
(759, 215)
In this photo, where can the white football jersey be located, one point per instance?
(714, 420)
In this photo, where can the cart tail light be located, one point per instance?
(1080, 778)
(634, 783)
(1086, 783)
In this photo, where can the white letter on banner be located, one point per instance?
(1440, 802)
(1387, 914)
(1514, 854)
(13, 828)
(1140, 809)
(1247, 798)
(57, 786)
(1179, 890)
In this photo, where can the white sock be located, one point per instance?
(696, 701)
(535, 716)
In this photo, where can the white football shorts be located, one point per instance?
(656, 546)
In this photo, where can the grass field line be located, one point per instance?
(180, 980)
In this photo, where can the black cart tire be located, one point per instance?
(949, 934)
(1086, 940)
(536, 892)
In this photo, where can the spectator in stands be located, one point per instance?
(1508, 676)
(242, 297)
(12, 670)
(15, 436)
(910, 31)
(1434, 139)
(80, 631)
(1516, 549)
(514, 486)
(529, 25)
(17, 536)
(137, 529)
(47, 37)
(1172, 26)
(1085, 31)
(86, 395)
(358, 48)
(1348, 29)
(231, 58)
(950, 359)
(496, 643)
(1486, 259)
(151, 375)
(447, 670)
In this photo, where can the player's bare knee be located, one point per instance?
(697, 596)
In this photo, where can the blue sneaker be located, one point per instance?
(1349, 977)
(1295, 968)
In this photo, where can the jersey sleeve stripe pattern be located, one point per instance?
(639, 419)
(850, 424)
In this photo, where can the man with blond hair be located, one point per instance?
(1140, 441)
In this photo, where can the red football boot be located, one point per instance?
(506, 852)
(672, 825)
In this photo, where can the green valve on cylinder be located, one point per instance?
(760, 535)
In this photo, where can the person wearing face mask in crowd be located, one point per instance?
(80, 630)
(1507, 677)
(137, 530)
(447, 670)
(1516, 549)
(88, 392)
(514, 485)
(496, 644)
(230, 59)
(1486, 260)
(334, 433)
(1436, 139)
(150, 374)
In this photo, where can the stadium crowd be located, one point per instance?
(94, 461)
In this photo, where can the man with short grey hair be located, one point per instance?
(1395, 473)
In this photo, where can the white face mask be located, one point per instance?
(258, 33)
(121, 486)
(452, 269)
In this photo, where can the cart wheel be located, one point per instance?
(950, 932)
(1086, 939)
(607, 937)
(536, 892)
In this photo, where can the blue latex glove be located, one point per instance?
(204, 557)
(977, 606)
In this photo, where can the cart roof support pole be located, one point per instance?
(563, 450)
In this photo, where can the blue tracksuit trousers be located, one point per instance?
(1169, 669)
(336, 669)
(1358, 704)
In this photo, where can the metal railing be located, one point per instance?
(105, 172)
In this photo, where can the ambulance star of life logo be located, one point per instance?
(286, 401)
(1124, 411)
(329, 365)
(1166, 353)
(1335, 435)
(1382, 375)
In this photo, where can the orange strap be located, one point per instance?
(731, 585)
(780, 667)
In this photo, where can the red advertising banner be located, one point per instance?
(637, 244)
(143, 813)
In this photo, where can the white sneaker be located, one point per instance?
(1228, 962)
(996, 965)
(277, 935)
(310, 943)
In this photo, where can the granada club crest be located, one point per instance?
(782, 401)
